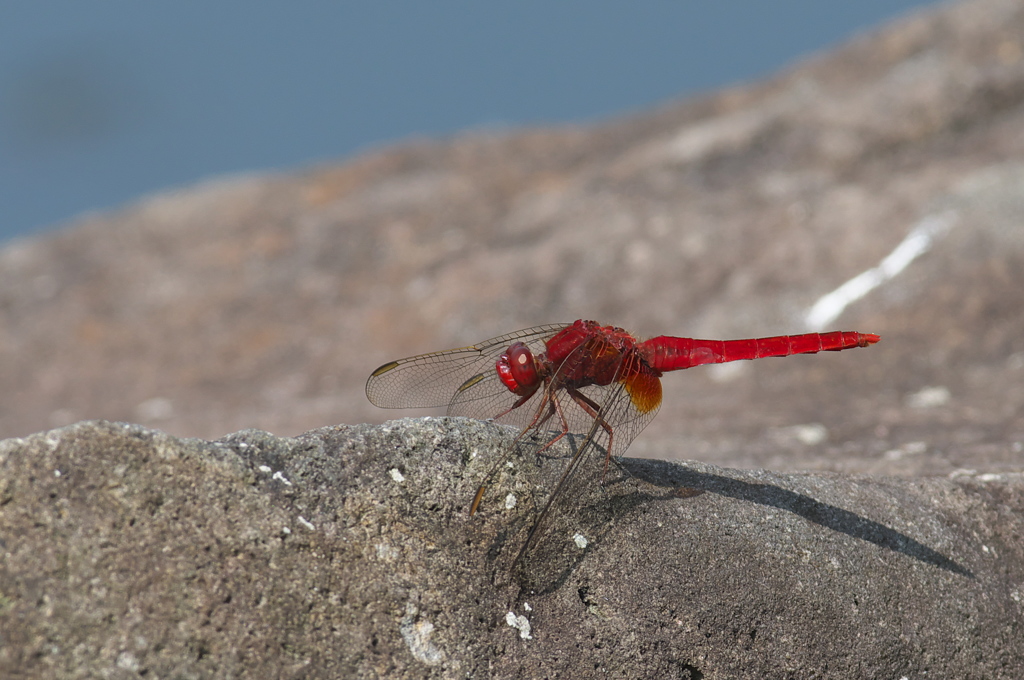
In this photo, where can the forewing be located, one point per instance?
(435, 379)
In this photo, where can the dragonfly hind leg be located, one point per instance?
(594, 411)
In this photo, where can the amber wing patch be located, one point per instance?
(644, 391)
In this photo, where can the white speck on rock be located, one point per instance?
(281, 478)
(396, 475)
(581, 541)
(808, 434)
(908, 449)
(929, 397)
(510, 501)
(521, 623)
(811, 433)
(127, 661)
(387, 553)
(416, 634)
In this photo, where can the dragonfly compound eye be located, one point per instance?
(517, 369)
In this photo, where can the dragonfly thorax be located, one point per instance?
(517, 370)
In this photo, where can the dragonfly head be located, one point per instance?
(517, 369)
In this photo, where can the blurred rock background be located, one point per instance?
(266, 301)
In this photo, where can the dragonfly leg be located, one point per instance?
(545, 409)
(519, 402)
(555, 408)
(552, 406)
(594, 410)
(549, 403)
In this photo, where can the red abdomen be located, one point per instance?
(666, 353)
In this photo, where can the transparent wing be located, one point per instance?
(464, 379)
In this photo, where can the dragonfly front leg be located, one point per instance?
(519, 402)
(556, 407)
(545, 409)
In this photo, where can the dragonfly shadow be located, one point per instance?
(662, 473)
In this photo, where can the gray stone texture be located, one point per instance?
(348, 552)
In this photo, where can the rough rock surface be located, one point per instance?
(348, 552)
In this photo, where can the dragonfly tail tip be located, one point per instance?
(868, 339)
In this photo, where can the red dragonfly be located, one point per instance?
(580, 378)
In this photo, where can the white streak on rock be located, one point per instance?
(920, 239)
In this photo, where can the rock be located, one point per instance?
(348, 552)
